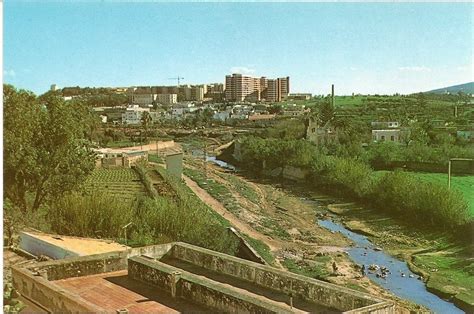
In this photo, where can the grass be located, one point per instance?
(215, 189)
(261, 249)
(155, 158)
(274, 228)
(450, 275)
(315, 269)
(242, 187)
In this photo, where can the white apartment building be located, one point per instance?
(133, 115)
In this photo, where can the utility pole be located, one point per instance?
(333, 99)
(205, 161)
(449, 174)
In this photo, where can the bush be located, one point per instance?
(432, 204)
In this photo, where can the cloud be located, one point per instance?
(242, 70)
(353, 68)
(10, 73)
(414, 69)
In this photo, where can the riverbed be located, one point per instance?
(396, 277)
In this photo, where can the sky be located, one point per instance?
(366, 48)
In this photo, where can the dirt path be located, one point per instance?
(221, 210)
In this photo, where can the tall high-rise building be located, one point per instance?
(239, 87)
(278, 89)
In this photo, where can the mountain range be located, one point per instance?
(467, 88)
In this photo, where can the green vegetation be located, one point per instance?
(396, 193)
(242, 187)
(47, 147)
(122, 183)
(272, 228)
(154, 220)
(311, 268)
(464, 184)
(155, 158)
(262, 249)
(448, 275)
(11, 304)
(215, 189)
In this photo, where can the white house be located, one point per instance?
(133, 115)
(385, 125)
(386, 135)
(222, 115)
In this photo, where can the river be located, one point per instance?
(399, 279)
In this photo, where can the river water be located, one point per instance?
(406, 286)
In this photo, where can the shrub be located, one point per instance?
(432, 204)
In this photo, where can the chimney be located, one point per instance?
(332, 96)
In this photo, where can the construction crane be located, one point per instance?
(176, 78)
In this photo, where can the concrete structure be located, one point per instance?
(300, 96)
(112, 158)
(143, 99)
(167, 99)
(174, 164)
(181, 277)
(392, 135)
(59, 246)
(222, 115)
(54, 87)
(320, 134)
(133, 115)
(278, 89)
(214, 92)
(239, 88)
(262, 117)
(294, 110)
(385, 124)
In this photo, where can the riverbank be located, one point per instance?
(445, 260)
(286, 220)
(445, 263)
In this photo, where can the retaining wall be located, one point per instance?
(312, 290)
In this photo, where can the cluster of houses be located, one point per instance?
(133, 114)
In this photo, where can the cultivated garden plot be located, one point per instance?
(123, 183)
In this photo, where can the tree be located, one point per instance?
(326, 112)
(46, 147)
(146, 120)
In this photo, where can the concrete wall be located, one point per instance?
(312, 290)
(39, 247)
(245, 250)
(49, 296)
(174, 165)
(216, 296)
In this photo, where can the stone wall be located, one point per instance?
(329, 295)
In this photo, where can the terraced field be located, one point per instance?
(123, 183)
